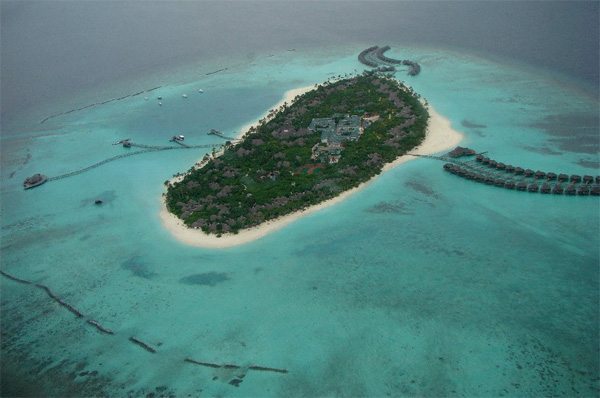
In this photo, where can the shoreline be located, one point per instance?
(440, 137)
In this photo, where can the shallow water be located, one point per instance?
(420, 284)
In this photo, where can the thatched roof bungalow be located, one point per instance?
(588, 179)
(510, 168)
(583, 190)
(521, 186)
(557, 190)
(571, 190)
(575, 178)
(519, 170)
(540, 174)
(509, 184)
(545, 188)
(533, 187)
(551, 176)
(563, 177)
(528, 172)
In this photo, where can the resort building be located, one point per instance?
(334, 131)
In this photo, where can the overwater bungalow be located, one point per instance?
(575, 178)
(583, 190)
(545, 188)
(551, 176)
(479, 158)
(528, 173)
(588, 179)
(557, 190)
(461, 172)
(571, 190)
(485, 160)
(479, 178)
(492, 163)
(521, 186)
(510, 168)
(501, 166)
(540, 174)
(460, 151)
(597, 179)
(509, 184)
(489, 180)
(519, 170)
(563, 177)
(533, 187)
(595, 191)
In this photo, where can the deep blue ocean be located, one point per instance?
(422, 284)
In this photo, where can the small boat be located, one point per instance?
(98, 201)
(200, 90)
(184, 95)
(160, 104)
(34, 181)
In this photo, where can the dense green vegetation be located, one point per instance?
(269, 173)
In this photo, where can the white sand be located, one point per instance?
(440, 137)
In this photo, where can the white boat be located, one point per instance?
(200, 90)
(184, 95)
(160, 104)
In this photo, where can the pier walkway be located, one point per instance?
(144, 149)
(488, 171)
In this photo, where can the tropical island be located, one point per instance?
(327, 141)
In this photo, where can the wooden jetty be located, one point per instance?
(480, 168)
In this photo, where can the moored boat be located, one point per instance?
(34, 181)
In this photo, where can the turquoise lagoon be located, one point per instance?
(420, 284)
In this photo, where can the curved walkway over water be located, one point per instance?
(145, 149)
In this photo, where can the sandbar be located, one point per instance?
(440, 137)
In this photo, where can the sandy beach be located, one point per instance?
(440, 137)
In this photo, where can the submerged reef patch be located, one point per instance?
(561, 129)
(472, 125)
(138, 267)
(205, 279)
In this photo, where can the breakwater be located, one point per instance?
(235, 381)
(216, 71)
(491, 172)
(231, 366)
(142, 344)
(99, 103)
(375, 58)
